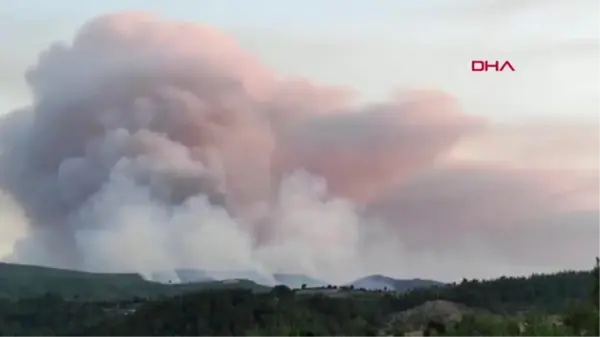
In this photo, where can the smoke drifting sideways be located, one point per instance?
(153, 145)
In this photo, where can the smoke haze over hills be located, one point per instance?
(154, 145)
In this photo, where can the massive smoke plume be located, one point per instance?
(153, 145)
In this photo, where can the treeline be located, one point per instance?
(557, 304)
(580, 317)
(47, 315)
(548, 293)
(242, 312)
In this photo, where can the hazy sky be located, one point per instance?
(533, 167)
(374, 46)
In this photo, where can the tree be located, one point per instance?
(596, 272)
(282, 291)
(582, 318)
(595, 329)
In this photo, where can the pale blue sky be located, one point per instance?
(374, 46)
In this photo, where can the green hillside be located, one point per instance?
(554, 304)
(75, 303)
(548, 292)
(21, 281)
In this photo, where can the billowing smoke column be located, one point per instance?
(153, 145)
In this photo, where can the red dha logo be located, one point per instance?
(477, 65)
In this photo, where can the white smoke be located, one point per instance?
(154, 145)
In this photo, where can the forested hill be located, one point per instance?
(549, 292)
(505, 293)
(25, 281)
(215, 309)
(350, 312)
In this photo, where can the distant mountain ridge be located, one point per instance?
(381, 282)
(27, 280)
(18, 281)
(295, 281)
(290, 280)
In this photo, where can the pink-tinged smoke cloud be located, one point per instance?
(153, 145)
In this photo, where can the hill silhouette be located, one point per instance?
(289, 280)
(18, 281)
(381, 282)
(45, 301)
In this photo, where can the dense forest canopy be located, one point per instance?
(563, 303)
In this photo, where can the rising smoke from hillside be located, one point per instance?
(156, 144)
(153, 144)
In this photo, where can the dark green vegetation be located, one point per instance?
(18, 281)
(564, 303)
(21, 281)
